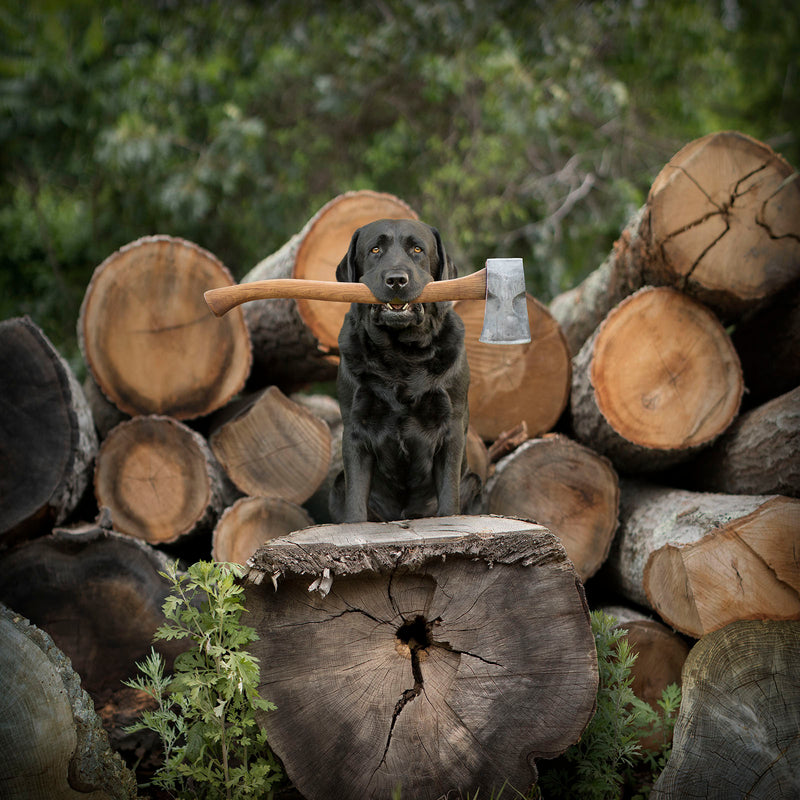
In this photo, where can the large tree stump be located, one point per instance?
(658, 380)
(702, 561)
(737, 730)
(758, 454)
(516, 383)
(160, 480)
(47, 436)
(274, 447)
(148, 337)
(295, 342)
(250, 522)
(446, 653)
(52, 746)
(722, 223)
(566, 487)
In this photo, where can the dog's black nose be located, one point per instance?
(397, 279)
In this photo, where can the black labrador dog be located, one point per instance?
(402, 383)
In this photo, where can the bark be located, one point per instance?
(52, 744)
(566, 487)
(274, 447)
(48, 440)
(160, 480)
(758, 454)
(148, 338)
(447, 653)
(721, 223)
(295, 342)
(736, 732)
(702, 561)
(657, 381)
(515, 383)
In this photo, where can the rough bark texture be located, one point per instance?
(566, 487)
(296, 341)
(97, 593)
(702, 561)
(721, 223)
(736, 732)
(432, 648)
(160, 480)
(510, 384)
(658, 380)
(274, 448)
(250, 522)
(52, 746)
(48, 440)
(148, 337)
(758, 454)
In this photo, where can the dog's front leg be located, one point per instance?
(447, 474)
(357, 463)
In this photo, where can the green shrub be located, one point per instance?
(205, 714)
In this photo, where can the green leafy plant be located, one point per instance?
(205, 714)
(609, 754)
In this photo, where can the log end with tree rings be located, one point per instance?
(658, 380)
(512, 383)
(149, 338)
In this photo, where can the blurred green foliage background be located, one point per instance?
(528, 128)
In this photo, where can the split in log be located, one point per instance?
(448, 653)
(148, 337)
(568, 488)
(48, 440)
(97, 593)
(52, 744)
(758, 454)
(702, 561)
(658, 380)
(295, 342)
(514, 383)
(160, 480)
(274, 447)
(720, 223)
(250, 522)
(736, 732)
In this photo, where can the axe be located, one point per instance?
(501, 283)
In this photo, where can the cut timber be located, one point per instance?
(148, 337)
(758, 454)
(658, 380)
(295, 342)
(274, 447)
(51, 741)
(737, 730)
(446, 653)
(513, 383)
(160, 480)
(702, 561)
(250, 522)
(568, 488)
(48, 440)
(721, 222)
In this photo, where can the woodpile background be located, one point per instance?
(652, 425)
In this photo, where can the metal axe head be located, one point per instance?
(505, 320)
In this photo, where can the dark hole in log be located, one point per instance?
(415, 634)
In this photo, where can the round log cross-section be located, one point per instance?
(148, 337)
(445, 653)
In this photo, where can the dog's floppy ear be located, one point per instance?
(347, 271)
(445, 268)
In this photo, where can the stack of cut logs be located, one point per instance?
(652, 424)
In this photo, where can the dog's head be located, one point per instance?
(395, 258)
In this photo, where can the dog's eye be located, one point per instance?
(375, 250)
(417, 249)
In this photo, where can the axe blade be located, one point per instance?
(505, 320)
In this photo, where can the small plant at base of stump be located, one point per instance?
(213, 746)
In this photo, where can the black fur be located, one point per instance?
(402, 385)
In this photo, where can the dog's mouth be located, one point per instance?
(397, 307)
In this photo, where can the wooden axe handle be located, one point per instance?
(222, 300)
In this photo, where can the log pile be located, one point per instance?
(652, 426)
